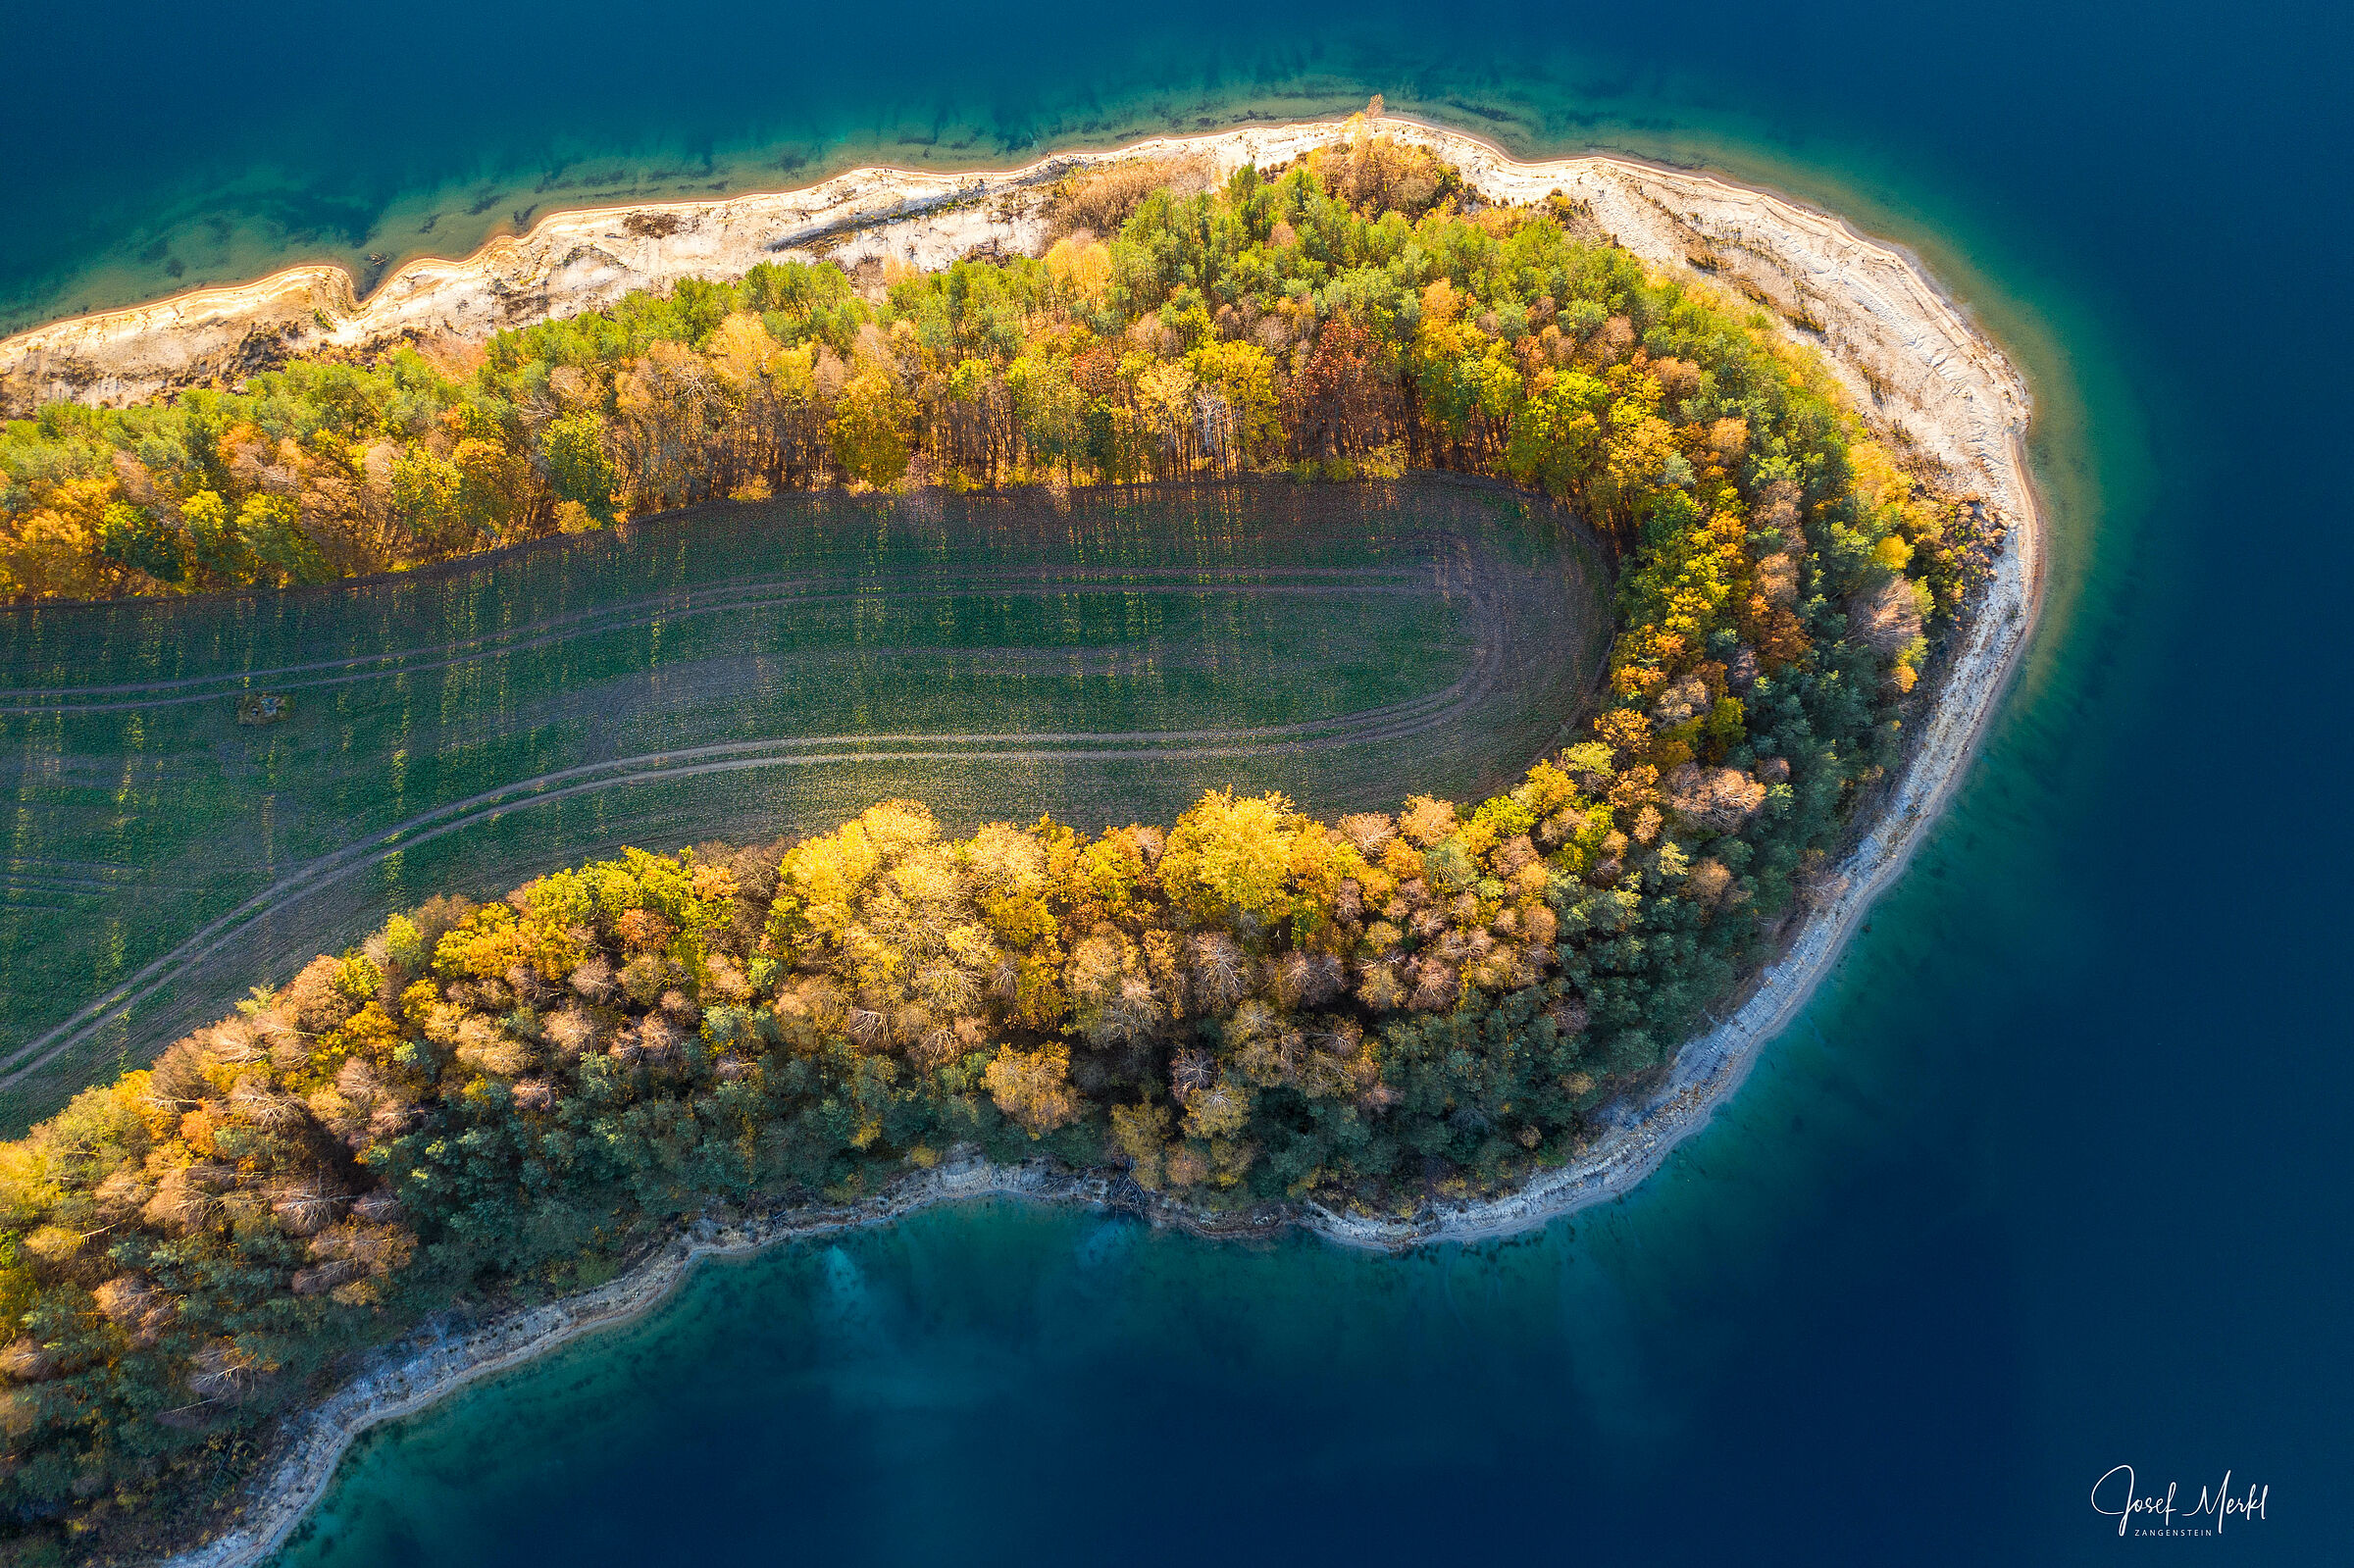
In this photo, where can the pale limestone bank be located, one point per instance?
(1927, 369)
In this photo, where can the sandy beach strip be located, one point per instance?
(1904, 349)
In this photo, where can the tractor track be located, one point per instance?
(1391, 721)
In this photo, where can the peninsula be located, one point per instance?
(1444, 1020)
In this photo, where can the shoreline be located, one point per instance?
(833, 155)
(584, 258)
(275, 282)
(1905, 350)
(396, 1385)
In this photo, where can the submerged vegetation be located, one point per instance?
(496, 1101)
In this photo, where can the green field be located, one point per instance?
(736, 673)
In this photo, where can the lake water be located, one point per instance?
(2049, 1178)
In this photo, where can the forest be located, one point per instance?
(486, 1103)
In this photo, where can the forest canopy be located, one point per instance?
(496, 1101)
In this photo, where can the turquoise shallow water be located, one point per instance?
(2048, 1179)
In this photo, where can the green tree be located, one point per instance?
(579, 468)
(1557, 440)
(214, 547)
(135, 538)
(1050, 409)
(426, 497)
(270, 527)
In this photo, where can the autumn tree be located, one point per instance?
(1033, 1088)
(869, 429)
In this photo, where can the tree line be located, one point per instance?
(1352, 315)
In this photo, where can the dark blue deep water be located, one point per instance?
(2052, 1177)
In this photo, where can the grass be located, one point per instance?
(737, 672)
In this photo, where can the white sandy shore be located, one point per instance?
(1904, 350)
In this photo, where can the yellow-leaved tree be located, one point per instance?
(1255, 857)
(869, 428)
(1034, 1087)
